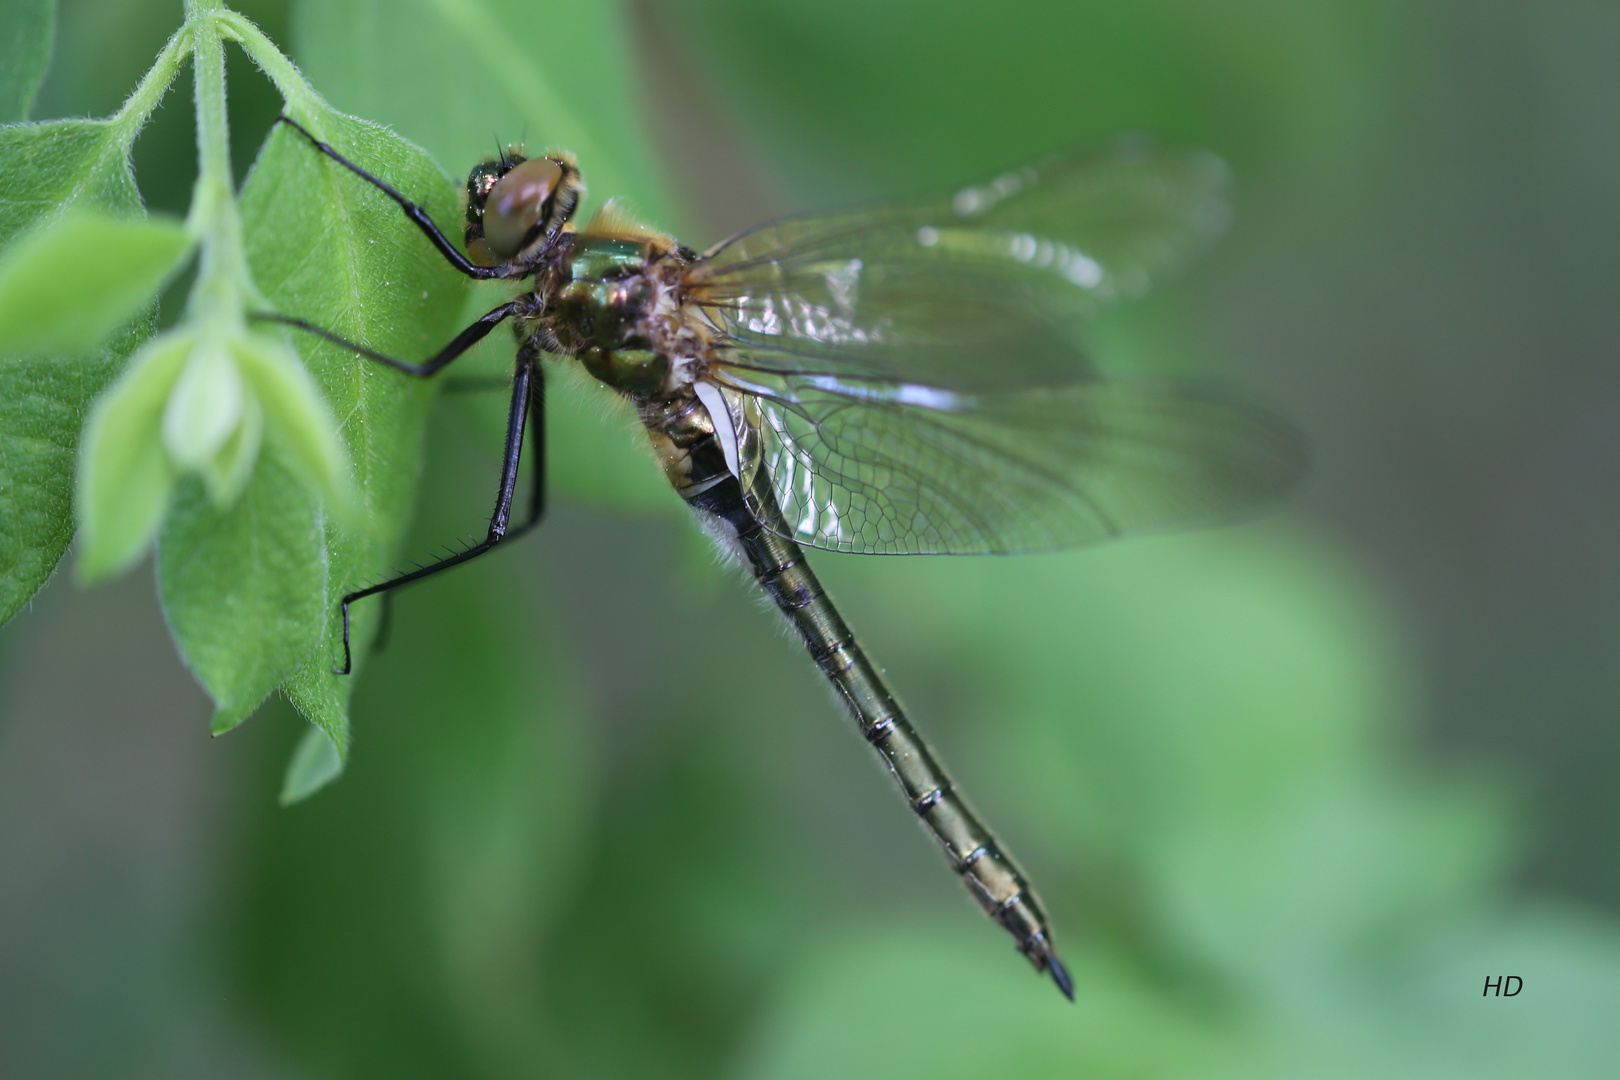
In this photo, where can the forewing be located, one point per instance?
(969, 292)
(911, 470)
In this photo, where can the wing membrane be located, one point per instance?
(926, 292)
(910, 469)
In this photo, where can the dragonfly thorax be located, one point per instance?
(597, 311)
(612, 302)
(637, 372)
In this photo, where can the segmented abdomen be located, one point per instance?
(779, 565)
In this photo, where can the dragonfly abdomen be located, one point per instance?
(779, 565)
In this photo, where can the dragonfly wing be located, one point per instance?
(924, 292)
(909, 469)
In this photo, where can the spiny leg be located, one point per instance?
(474, 384)
(418, 216)
(522, 401)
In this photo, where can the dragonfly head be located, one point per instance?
(515, 202)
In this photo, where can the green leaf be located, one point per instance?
(124, 474)
(326, 247)
(243, 588)
(46, 167)
(43, 405)
(66, 287)
(300, 419)
(25, 50)
(44, 400)
(314, 764)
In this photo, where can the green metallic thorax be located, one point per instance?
(597, 307)
(600, 258)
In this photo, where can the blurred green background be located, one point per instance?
(1291, 790)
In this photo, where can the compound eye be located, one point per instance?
(517, 203)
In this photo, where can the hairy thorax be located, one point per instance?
(619, 305)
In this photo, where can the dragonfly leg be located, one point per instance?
(417, 215)
(463, 341)
(522, 402)
(473, 384)
(530, 359)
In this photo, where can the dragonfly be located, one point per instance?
(901, 379)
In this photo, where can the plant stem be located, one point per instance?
(301, 98)
(223, 280)
(213, 127)
(154, 84)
